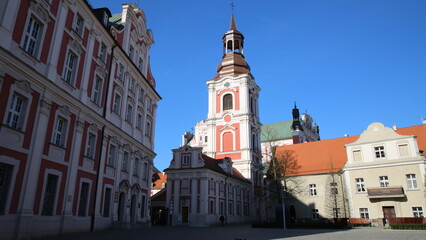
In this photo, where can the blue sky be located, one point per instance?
(347, 62)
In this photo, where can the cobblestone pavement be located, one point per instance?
(243, 232)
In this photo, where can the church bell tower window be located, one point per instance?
(227, 102)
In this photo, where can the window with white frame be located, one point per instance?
(120, 74)
(132, 84)
(91, 145)
(17, 109)
(102, 52)
(363, 213)
(417, 212)
(6, 171)
(33, 36)
(78, 24)
(70, 68)
(403, 150)
(379, 151)
(360, 186)
(411, 181)
(315, 214)
(211, 206)
(227, 102)
(136, 167)
(186, 159)
(139, 121)
(312, 190)
(125, 162)
(59, 132)
(149, 104)
(148, 129)
(97, 91)
(384, 181)
(84, 199)
(129, 113)
(141, 95)
(49, 197)
(117, 103)
(112, 155)
(231, 208)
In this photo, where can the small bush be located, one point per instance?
(413, 226)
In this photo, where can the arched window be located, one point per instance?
(227, 102)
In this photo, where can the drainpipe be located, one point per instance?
(92, 222)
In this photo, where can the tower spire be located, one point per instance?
(233, 26)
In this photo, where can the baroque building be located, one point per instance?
(232, 127)
(77, 110)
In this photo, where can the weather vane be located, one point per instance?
(232, 6)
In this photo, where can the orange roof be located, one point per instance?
(326, 155)
(158, 184)
(419, 131)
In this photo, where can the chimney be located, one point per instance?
(394, 127)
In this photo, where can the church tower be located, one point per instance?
(232, 127)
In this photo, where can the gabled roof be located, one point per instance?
(330, 155)
(276, 131)
(213, 164)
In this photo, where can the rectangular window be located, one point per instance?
(312, 190)
(120, 74)
(102, 52)
(70, 68)
(131, 52)
(60, 132)
(49, 195)
(145, 171)
(363, 213)
(141, 95)
(418, 212)
(17, 109)
(149, 107)
(315, 214)
(231, 208)
(97, 91)
(148, 129)
(78, 24)
(125, 163)
(132, 84)
(357, 155)
(360, 187)
(84, 198)
(185, 186)
(403, 150)
(32, 37)
(238, 209)
(117, 103)
(205, 138)
(139, 121)
(129, 113)
(412, 181)
(136, 167)
(140, 64)
(379, 151)
(5, 181)
(333, 188)
(111, 156)
(384, 181)
(107, 202)
(211, 206)
(186, 159)
(90, 150)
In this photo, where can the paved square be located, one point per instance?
(243, 232)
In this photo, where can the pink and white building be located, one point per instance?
(77, 110)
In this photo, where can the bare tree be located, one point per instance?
(335, 198)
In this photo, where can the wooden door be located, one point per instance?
(389, 212)
(184, 214)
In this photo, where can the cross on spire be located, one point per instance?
(232, 6)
